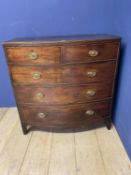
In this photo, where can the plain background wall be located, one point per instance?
(122, 117)
(48, 17)
(55, 17)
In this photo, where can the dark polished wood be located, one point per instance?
(24, 128)
(60, 95)
(63, 74)
(80, 39)
(45, 55)
(108, 123)
(63, 82)
(65, 116)
(81, 53)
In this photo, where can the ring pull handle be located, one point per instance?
(32, 55)
(93, 53)
(40, 95)
(90, 93)
(90, 112)
(41, 115)
(91, 73)
(36, 75)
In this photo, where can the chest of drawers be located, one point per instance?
(63, 82)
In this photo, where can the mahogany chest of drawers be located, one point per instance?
(63, 82)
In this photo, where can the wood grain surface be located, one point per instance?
(63, 74)
(81, 53)
(65, 116)
(45, 55)
(60, 95)
(92, 152)
(54, 75)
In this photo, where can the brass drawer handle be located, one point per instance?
(33, 55)
(93, 53)
(41, 115)
(90, 93)
(90, 112)
(91, 73)
(36, 75)
(40, 95)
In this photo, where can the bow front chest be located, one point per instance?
(63, 82)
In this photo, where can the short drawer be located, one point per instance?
(65, 116)
(33, 55)
(91, 52)
(69, 74)
(63, 95)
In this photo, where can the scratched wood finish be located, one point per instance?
(81, 53)
(45, 55)
(71, 116)
(62, 94)
(62, 66)
(63, 74)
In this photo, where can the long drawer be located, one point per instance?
(65, 116)
(63, 94)
(63, 74)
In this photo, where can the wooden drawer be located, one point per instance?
(65, 116)
(63, 95)
(80, 73)
(91, 52)
(33, 55)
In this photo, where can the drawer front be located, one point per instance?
(91, 53)
(65, 116)
(34, 55)
(82, 73)
(63, 95)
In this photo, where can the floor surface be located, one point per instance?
(92, 152)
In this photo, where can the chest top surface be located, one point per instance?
(62, 39)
